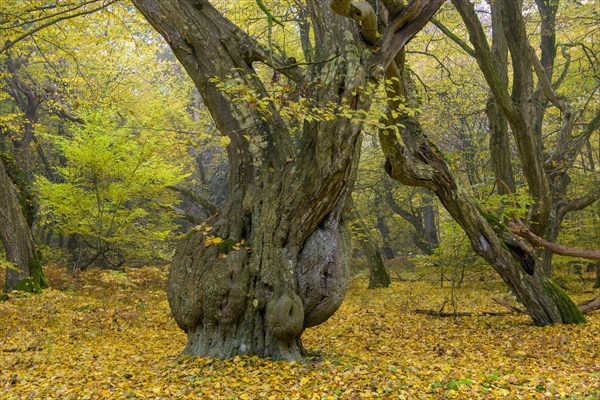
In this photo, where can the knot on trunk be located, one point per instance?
(205, 288)
(323, 272)
(285, 316)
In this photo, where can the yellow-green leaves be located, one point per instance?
(114, 188)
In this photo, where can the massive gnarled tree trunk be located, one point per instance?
(274, 261)
(26, 272)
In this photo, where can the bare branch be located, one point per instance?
(446, 31)
(48, 16)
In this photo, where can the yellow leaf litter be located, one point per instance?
(107, 335)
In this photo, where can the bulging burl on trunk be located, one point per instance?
(285, 316)
(323, 272)
(240, 305)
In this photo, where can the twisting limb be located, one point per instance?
(522, 231)
(408, 23)
(361, 12)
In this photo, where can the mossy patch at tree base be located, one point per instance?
(36, 281)
(569, 311)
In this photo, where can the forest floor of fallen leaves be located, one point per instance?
(109, 335)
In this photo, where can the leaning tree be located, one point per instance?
(413, 159)
(273, 261)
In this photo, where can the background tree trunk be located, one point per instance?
(429, 220)
(499, 138)
(378, 275)
(386, 249)
(26, 273)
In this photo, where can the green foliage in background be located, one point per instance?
(114, 195)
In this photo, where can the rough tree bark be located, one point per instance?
(280, 265)
(26, 271)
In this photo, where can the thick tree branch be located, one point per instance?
(582, 202)
(524, 232)
(406, 25)
(196, 198)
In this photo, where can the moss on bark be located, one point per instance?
(36, 281)
(569, 311)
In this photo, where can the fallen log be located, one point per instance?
(434, 313)
(589, 306)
